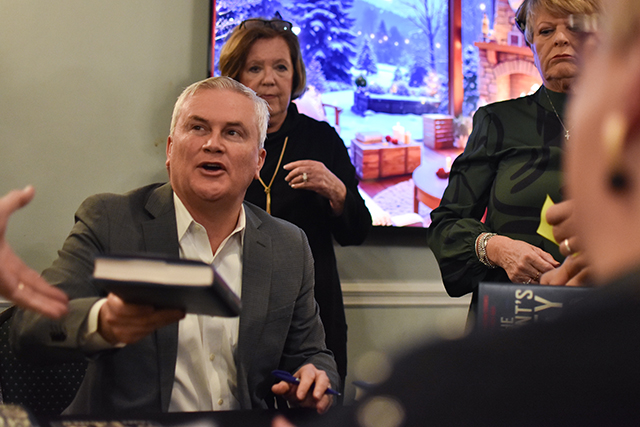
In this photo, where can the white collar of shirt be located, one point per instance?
(206, 374)
(185, 221)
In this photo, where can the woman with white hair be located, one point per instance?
(511, 164)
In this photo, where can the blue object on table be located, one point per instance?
(286, 376)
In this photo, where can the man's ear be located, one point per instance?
(262, 154)
(169, 148)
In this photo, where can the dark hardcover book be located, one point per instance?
(508, 305)
(189, 285)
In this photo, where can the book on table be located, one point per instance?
(508, 305)
(190, 285)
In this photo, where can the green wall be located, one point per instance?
(86, 93)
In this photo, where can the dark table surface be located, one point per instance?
(252, 418)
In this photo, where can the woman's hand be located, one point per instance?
(314, 176)
(524, 263)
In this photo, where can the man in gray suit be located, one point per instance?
(143, 359)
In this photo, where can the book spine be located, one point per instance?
(504, 306)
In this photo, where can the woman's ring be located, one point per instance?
(305, 177)
(535, 279)
(566, 244)
(528, 281)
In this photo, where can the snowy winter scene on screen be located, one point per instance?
(377, 71)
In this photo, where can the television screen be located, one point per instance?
(377, 71)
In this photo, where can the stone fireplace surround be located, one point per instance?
(506, 68)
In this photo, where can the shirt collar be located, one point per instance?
(553, 102)
(184, 219)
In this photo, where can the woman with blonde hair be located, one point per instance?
(485, 229)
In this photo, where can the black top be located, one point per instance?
(580, 370)
(511, 163)
(310, 139)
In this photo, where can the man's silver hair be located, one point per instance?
(216, 83)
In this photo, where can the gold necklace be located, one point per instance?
(566, 131)
(267, 188)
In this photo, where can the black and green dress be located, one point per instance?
(510, 164)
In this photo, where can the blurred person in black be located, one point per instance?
(581, 369)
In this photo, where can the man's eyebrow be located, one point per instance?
(198, 119)
(237, 124)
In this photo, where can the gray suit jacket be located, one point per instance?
(280, 326)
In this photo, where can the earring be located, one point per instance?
(614, 133)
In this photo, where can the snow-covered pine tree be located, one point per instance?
(367, 58)
(382, 44)
(229, 14)
(396, 49)
(470, 76)
(418, 72)
(398, 75)
(325, 35)
(315, 76)
(267, 10)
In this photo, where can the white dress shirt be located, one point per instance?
(206, 375)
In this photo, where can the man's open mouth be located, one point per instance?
(211, 166)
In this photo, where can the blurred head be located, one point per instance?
(603, 177)
(214, 150)
(553, 29)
